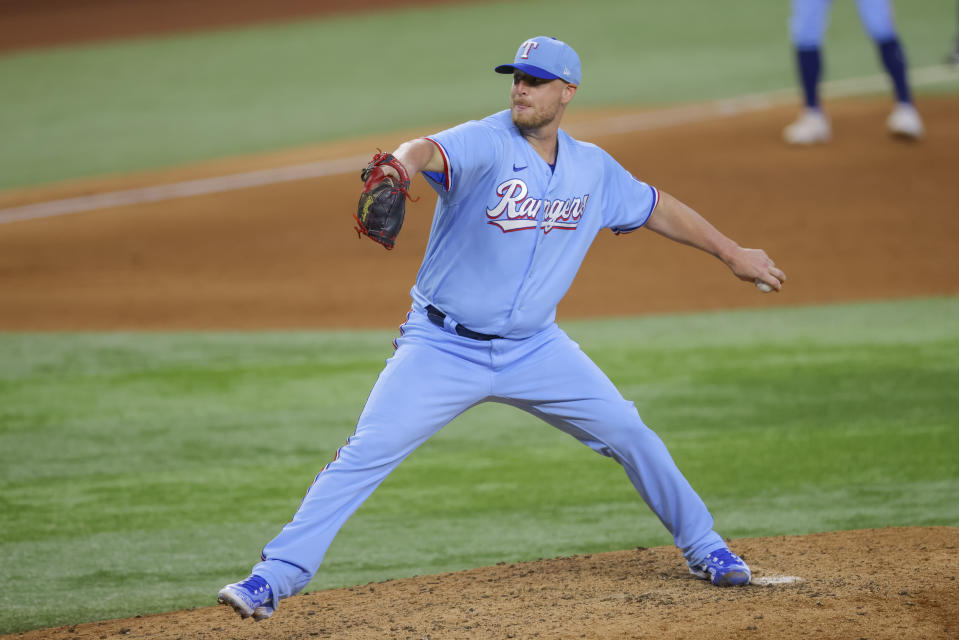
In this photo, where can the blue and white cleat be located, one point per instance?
(251, 597)
(723, 568)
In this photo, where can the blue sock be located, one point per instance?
(809, 61)
(894, 60)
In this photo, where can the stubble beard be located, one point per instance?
(530, 121)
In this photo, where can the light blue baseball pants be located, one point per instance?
(434, 376)
(809, 20)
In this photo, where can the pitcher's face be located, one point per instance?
(536, 102)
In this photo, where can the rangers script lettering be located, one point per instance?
(519, 212)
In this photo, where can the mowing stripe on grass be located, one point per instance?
(142, 471)
(656, 119)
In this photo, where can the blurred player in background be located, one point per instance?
(806, 28)
(953, 57)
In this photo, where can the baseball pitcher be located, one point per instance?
(519, 203)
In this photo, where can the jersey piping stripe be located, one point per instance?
(402, 331)
(620, 232)
(336, 456)
(446, 165)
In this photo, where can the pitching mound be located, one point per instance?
(878, 583)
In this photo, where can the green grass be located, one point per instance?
(129, 105)
(150, 468)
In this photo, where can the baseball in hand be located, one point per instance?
(762, 286)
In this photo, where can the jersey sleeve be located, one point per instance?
(469, 150)
(628, 202)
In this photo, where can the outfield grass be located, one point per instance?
(111, 108)
(149, 468)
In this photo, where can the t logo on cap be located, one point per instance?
(526, 47)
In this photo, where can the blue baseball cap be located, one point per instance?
(547, 58)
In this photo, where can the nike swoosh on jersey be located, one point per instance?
(515, 168)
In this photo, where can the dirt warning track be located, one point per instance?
(865, 217)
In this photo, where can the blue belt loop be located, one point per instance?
(441, 320)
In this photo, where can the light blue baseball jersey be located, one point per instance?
(509, 233)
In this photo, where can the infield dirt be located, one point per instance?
(865, 217)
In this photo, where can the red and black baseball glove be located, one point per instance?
(382, 204)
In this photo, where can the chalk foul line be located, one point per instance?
(187, 189)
